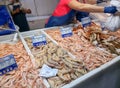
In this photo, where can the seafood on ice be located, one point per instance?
(55, 57)
(26, 75)
(81, 45)
(108, 41)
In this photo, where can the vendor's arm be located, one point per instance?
(84, 7)
(90, 8)
(24, 10)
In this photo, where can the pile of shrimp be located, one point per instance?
(82, 48)
(26, 75)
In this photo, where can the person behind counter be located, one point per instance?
(67, 9)
(19, 15)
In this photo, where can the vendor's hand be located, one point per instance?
(28, 11)
(110, 9)
(17, 10)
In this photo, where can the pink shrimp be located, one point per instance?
(18, 78)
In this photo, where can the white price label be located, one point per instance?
(39, 40)
(86, 21)
(47, 71)
(7, 64)
(66, 32)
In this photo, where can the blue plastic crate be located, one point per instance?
(5, 18)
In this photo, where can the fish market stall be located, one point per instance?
(82, 55)
(71, 71)
(77, 82)
(50, 59)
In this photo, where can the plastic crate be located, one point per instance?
(7, 20)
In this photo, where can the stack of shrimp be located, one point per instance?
(81, 47)
(25, 76)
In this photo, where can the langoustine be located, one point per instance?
(26, 75)
(109, 41)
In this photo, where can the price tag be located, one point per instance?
(47, 71)
(86, 21)
(7, 64)
(39, 40)
(66, 32)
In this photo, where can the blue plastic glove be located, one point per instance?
(110, 9)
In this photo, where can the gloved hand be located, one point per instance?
(110, 9)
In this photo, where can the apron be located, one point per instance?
(66, 19)
(62, 20)
(20, 20)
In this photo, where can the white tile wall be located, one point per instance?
(40, 9)
(29, 4)
(45, 7)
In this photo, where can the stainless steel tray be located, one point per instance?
(74, 83)
(86, 76)
(30, 34)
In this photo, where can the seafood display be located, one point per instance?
(25, 76)
(54, 56)
(83, 44)
(111, 44)
(108, 41)
(91, 47)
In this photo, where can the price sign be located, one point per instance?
(7, 64)
(86, 21)
(66, 32)
(47, 71)
(39, 40)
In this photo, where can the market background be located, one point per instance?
(41, 10)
